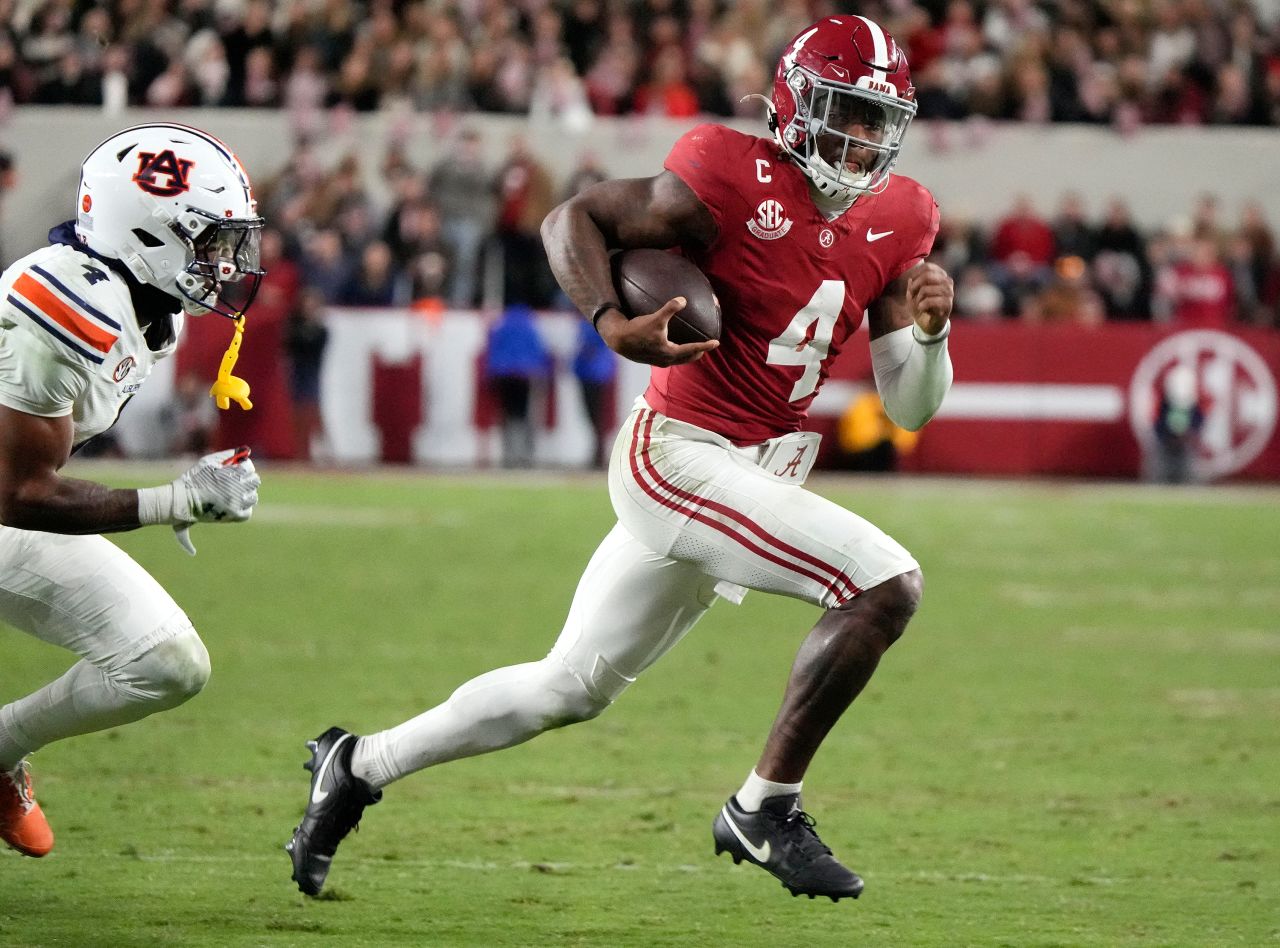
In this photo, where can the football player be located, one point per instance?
(800, 234)
(165, 225)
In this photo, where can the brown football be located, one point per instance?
(647, 279)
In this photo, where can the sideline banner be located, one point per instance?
(1079, 400)
(1053, 400)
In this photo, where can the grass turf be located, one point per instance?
(1075, 744)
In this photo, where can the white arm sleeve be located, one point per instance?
(913, 378)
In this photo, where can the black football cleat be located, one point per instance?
(781, 839)
(334, 805)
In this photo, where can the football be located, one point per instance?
(647, 279)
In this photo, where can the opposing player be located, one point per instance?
(798, 235)
(166, 225)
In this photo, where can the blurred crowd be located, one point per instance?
(456, 235)
(1124, 62)
(464, 233)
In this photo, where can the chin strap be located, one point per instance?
(227, 388)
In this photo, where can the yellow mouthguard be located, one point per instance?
(228, 388)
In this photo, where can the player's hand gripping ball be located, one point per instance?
(647, 279)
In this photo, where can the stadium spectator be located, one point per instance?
(461, 189)
(707, 475)
(515, 361)
(1195, 288)
(866, 437)
(324, 266)
(1122, 270)
(70, 84)
(376, 281)
(1180, 62)
(525, 197)
(1024, 234)
(595, 367)
(1257, 271)
(1021, 251)
(977, 297)
(188, 418)
(668, 91)
(306, 338)
(1067, 297)
(1178, 423)
(1073, 235)
(559, 98)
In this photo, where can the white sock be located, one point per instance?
(756, 790)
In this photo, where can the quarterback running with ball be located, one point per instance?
(166, 224)
(799, 234)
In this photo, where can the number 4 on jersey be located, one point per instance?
(797, 345)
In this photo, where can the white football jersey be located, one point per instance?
(70, 341)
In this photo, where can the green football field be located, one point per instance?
(1077, 743)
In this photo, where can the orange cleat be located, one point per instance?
(22, 823)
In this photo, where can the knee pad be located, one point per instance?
(170, 673)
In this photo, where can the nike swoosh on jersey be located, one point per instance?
(872, 236)
(757, 852)
(317, 794)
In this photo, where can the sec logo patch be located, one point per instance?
(771, 221)
(124, 368)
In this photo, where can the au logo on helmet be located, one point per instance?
(163, 173)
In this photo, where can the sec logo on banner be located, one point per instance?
(1236, 389)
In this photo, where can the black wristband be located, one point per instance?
(600, 311)
(930, 340)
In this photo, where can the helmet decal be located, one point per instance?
(164, 174)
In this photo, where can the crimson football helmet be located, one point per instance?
(842, 101)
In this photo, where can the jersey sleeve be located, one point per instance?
(700, 159)
(33, 378)
(924, 214)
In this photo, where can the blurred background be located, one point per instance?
(1106, 171)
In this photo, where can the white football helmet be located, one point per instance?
(174, 205)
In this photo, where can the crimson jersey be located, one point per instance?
(793, 286)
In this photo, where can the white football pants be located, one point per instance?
(140, 653)
(698, 518)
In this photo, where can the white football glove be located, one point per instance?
(219, 487)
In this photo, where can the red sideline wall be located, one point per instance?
(1028, 400)
(1071, 400)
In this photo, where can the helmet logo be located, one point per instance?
(771, 221)
(163, 173)
(876, 85)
